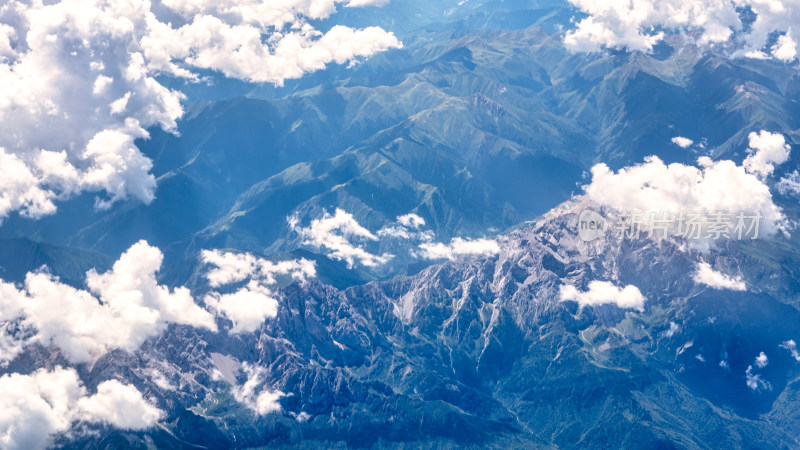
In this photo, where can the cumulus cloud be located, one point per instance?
(253, 303)
(459, 247)
(120, 309)
(261, 400)
(119, 405)
(638, 25)
(682, 142)
(766, 151)
(247, 308)
(704, 274)
(80, 82)
(604, 293)
(714, 186)
(761, 360)
(631, 24)
(342, 236)
(35, 407)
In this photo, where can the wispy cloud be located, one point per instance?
(342, 236)
(459, 247)
(408, 227)
(345, 239)
(792, 347)
(254, 395)
(790, 184)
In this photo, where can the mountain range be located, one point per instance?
(485, 127)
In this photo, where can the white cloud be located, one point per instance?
(762, 360)
(238, 51)
(35, 407)
(774, 16)
(160, 380)
(754, 381)
(12, 342)
(261, 401)
(603, 293)
(630, 24)
(790, 184)
(640, 24)
(70, 62)
(715, 186)
(79, 82)
(673, 328)
(704, 274)
(411, 221)
(345, 239)
(230, 267)
(408, 227)
(121, 309)
(302, 417)
(336, 233)
(682, 142)
(119, 405)
(766, 151)
(133, 279)
(785, 49)
(792, 347)
(249, 306)
(459, 247)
